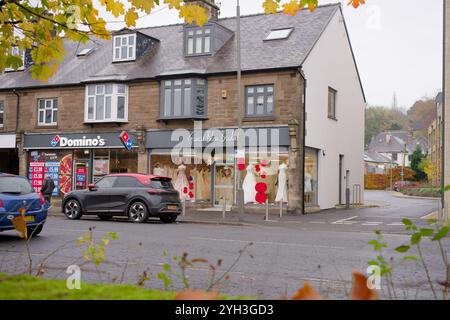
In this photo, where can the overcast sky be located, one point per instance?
(397, 44)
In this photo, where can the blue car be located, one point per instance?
(16, 192)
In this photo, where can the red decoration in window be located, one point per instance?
(263, 175)
(185, 190)
(191, 186)
(261, 187)
(241, 166)
(263, 163)
(261, 197)
(191, 195)
(257, 168)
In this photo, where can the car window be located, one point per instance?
(106, 182)
(127, 182)
(161, 184)
(15, 185)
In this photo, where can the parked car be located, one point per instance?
(398, 185)
(16, 192)
(136, 196)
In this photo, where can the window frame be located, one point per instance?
(2, 113)
(114, 46)
(19, 52)
(291, 29)
(333, 114)
(255, 96)
(194, 86)
(52, 110)
(114, 97)
(194, 38)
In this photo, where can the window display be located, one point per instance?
(311, 165)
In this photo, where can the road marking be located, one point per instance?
(318, 222)
(270, 243)
(345, 221)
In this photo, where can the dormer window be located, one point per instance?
(198, 41)
(15, 51)
(124, 47)
(279, 34)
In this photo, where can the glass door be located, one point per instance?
(223, 184)
(80, 174)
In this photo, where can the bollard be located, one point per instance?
(183, 206)
(267, 210)
(224, 208)
(281, 209)
(347, 198)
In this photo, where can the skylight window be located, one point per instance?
(279, 34)
(85, 52)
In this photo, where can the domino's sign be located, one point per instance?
(82, 142)
(126, 140)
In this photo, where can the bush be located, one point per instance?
(376, 181)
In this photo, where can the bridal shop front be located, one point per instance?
(205, 168)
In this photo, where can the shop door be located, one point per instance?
(223, 184)
(81, 176)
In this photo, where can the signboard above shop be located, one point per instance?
(76, 141)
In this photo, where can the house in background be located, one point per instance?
(435, 141)
(397, 145)
(377, 163)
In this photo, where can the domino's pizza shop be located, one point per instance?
(74, 160)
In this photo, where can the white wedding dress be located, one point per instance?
(248, 185)
(282, 184)
(182, 182)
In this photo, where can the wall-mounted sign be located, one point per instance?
(76, 141)
(126, 140)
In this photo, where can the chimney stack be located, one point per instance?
(212, 9)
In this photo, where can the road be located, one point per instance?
(322, 249)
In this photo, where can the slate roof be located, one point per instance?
(394, 142)
(370, 156)
(167, 57)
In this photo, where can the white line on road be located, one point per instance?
(346, 221)
(270, 243)
(318, 222)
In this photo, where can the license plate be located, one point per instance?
(29, 218)
(172, 207)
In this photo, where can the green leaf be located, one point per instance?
(415, 238)
(432, 221)
(411, 258)
(373, 263)
(407, 222)
(441, 234)
(403, 248)
(425, 232)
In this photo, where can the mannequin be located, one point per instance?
(249, 184)
(308, 182)
(282, 183)
(181, 181)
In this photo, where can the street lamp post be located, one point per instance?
(240, 133)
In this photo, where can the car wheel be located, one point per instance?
(104, 217)
(72, 209)
(34, 231)
(168, 219)
(138, 212)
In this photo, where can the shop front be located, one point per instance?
(203, 162)
(73, 160)
(9, 160)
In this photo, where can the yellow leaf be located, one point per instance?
(173, 4)
(306, 293)
(291, 7)
(130, 17)
(20, 225)
(115, 7)
(105, 241)
(270, 6)
(192, 13)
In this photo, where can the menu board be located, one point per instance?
(80, 177)
(52, 169)
(36, 174)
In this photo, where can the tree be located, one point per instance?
(429, 168)
(379, 119)
(416, 159)
(40, 26)
(422, 114)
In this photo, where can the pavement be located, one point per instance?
(264, 259)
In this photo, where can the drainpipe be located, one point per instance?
(444, 105)
(17, 109)
(300, 71)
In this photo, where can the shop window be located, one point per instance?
(311, 168)
(47, 112)
(183, 98)
(2, 113)
(332, 103)
(124, 47)
(106, 103)
(198, 41)
(259, 101)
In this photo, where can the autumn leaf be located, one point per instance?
(196, 295)
(115, 7)
(173, 4)
(291, 8)
(356, 3)
(360, 290)
(307, 292)
(270, 6)
(20, 224)
(130, 17)
(192, 13)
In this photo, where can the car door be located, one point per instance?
(124, 189)
(98, 199)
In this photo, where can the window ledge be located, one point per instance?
(332, 118)
(262, 118)
(165, 119)
(54, 126)
(118, 122)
